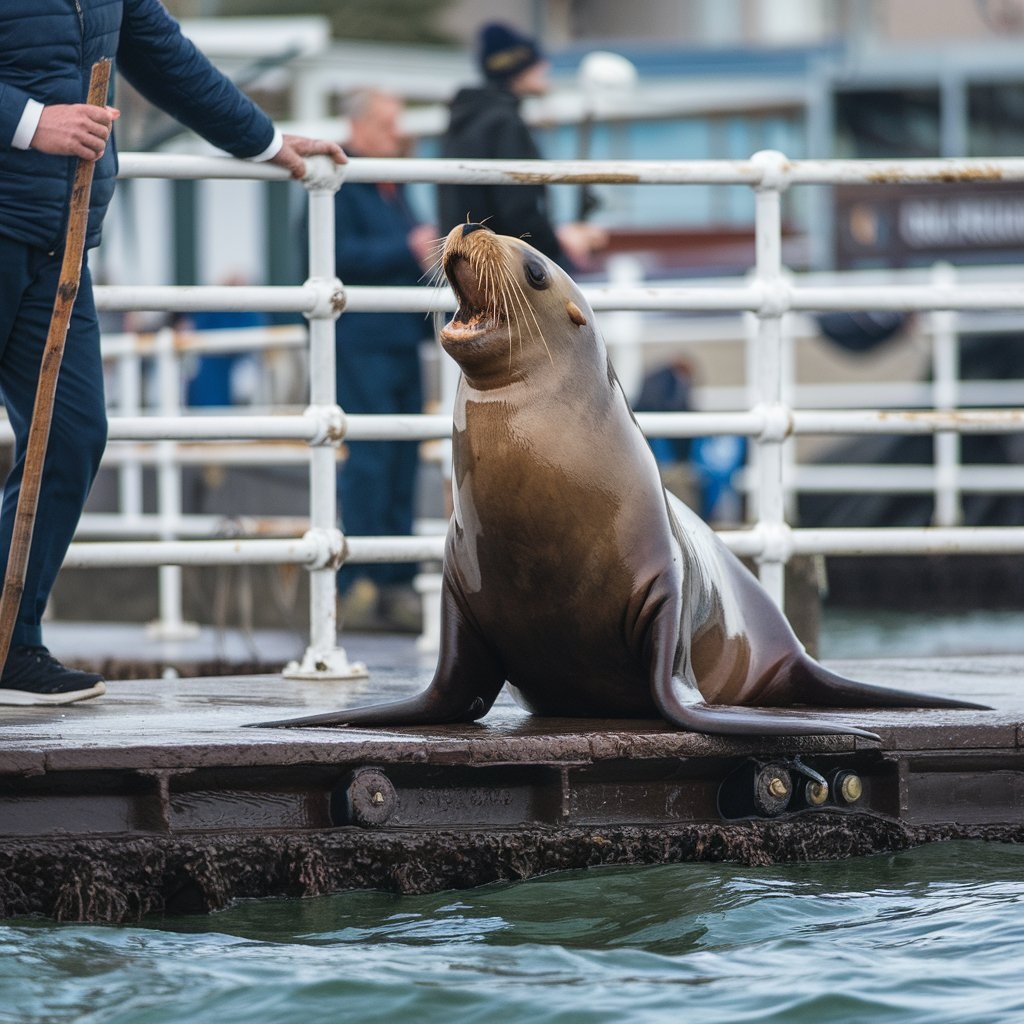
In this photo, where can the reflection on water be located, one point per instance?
(862, 633)
(935, 934)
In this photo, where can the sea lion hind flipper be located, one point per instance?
(677, 697)
(811, 683)
(466, 683)
(682, 705)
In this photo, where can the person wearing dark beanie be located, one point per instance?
(503, 52)
(485, 123)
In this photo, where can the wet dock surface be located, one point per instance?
(174, 720)
(154, 797)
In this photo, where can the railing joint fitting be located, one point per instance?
(328, 298)
(776, 540)
(331, 424)
(329, 548)
(776, 423)
(776, 297)
(323, 174)
(776, 170)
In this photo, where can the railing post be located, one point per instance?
(129, 403)
(769, 361)
(945, 376)
(787, 393)
(428, 582)
(622, 329)
(171, 624)
(324, 658)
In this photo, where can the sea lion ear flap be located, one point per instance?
(575, 314)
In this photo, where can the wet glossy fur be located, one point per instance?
(569, 573)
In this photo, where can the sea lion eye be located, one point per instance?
(536, 275)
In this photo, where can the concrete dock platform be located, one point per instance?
(154, 799)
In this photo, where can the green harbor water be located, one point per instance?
(934, 934)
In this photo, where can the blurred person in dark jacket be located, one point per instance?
(47, 49)
(379, 241)
(486, 123)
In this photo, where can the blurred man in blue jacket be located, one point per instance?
(379, 241)
(47, 49)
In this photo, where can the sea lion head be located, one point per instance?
(518, 311)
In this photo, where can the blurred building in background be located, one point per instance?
(716, 79)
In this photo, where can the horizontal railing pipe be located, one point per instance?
(200, 298)
(425, 427)
(307, 550)
(881, 540)
(602, 298)
(781, 174)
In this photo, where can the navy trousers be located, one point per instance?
(78, 433)
(377, 484)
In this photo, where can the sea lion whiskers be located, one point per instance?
(433, 278)
(489, 280)
(504, 294)
(494, 292)
(509, 324)
(436, 250)
(498, 293)
(433, 275)
(517, 304)
(491, 267)
(435, 267)
(522, 303)
(511, 300)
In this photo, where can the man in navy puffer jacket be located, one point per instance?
(47, 49)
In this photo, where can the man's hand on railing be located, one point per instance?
(290, 155)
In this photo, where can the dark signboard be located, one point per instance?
(910, 225)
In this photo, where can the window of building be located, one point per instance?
(887, 123)
(995, 119)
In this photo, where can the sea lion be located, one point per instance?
(569, 572)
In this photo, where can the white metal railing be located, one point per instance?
(769, 294)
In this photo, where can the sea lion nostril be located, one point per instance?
(468, 229)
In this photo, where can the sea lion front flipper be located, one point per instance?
(466, 683)
(676, 695)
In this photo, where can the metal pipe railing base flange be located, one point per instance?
(174, 631)
(325, 665)
(324, 660)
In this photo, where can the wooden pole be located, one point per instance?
(42, 412)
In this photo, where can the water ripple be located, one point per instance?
(934, 935)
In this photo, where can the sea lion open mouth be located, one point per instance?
(478, 273)
(476, 313)
(490, 277)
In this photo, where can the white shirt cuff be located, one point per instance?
(28, 124)
(271, 151)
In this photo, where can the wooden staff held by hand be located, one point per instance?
(53, 353)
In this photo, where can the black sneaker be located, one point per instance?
(33, 675)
